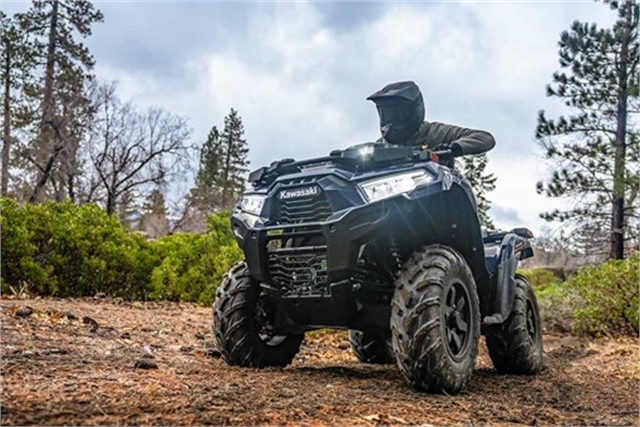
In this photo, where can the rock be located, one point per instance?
(214, 352)
(71, 316)
(186, 349)
(93, 325)
(55, 351)
(199, 336)
(148, 352)
(24, 311)
(101, 295)
(145, 364)
(126, 336)
(344, 345)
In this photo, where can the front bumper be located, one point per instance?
(342, 235)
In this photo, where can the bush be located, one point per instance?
(60, 249)
(64, 250)
(556, 301)
(610, 293)
(192, 265)
(542, 279)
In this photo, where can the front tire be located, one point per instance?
(515, 347)
(435, 320)
(370, 348)
(242, 318)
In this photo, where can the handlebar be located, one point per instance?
(435, 156)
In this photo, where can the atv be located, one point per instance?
(383, 241)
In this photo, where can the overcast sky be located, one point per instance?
(299, 72)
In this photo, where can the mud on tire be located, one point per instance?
(435, 320)
(241, 325)
(369, 348)
(515, 347)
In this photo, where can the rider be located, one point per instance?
(402, 122)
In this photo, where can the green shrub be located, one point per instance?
(65, 250)
(61, 249)
(18, 249)
(610, 294)
(542, 279)
(192, 265)
(556, 301)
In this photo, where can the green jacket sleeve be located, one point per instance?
(440, 136)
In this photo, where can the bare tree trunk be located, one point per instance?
(111, 204)
(71, 187)
(227, 172)
(617, 217)
(44, 135)
(6, 134)
(46, 173)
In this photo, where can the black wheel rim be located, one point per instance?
(457, 320)
(265, 315)
(532, 328)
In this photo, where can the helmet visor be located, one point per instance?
(395, 113)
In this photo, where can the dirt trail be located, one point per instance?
(72, 362)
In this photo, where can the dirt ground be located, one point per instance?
(82, 362)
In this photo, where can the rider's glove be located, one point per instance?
(456, 149)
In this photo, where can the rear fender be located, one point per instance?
(513, 248)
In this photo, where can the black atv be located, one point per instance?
(384, 241)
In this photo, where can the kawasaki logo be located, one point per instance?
(299, 192)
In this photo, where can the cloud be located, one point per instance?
(346, 17)
(507, 217)
(515, 190)
(299, 73)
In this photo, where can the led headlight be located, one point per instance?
(392, 185)
(252, 203)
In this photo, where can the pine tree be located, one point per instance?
(221, 174)
(595, 149)
(205, 195)
(154, 221)
(128, 210)
(473, 168)
(16, 64)
(233, 167)
(67, 67)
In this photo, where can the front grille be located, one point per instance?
(310, 205)
(297, 260)
(300, 271)
(302, 210)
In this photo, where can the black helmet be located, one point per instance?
(401, 110)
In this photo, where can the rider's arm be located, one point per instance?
(470, 141)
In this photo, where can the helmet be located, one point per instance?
(401, 110)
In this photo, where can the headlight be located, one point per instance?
(392, 185)
(252, 204)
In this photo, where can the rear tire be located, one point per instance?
(515, 347)
(435, 320)
(241, 324)
(370, 348)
